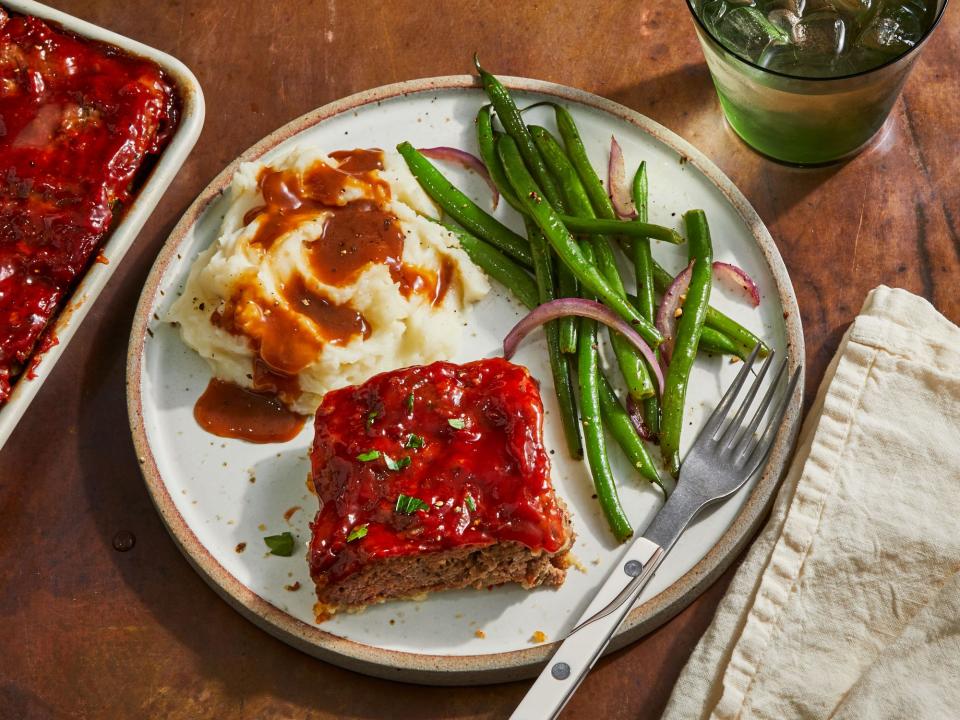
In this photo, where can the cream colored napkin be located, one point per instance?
(848, 604)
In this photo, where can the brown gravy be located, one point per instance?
(228, 410)
(288, 336)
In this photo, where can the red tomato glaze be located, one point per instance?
(485, 482)
(77, 119)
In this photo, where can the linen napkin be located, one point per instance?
(848, 604)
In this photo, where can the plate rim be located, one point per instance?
(460, 669)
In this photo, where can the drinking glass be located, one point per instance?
(805, 120)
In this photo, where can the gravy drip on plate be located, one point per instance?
(229, 410)
(288, 334)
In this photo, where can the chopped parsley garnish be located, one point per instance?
(358, 532)
(368, 455)
(408, 505)
(281, 545)
(413, 441)
(457, 423)
(371, 416)
(396, 464)
(470, 502)
(410, 403)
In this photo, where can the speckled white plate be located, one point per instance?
(219, 497)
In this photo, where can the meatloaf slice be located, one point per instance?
(432, 478)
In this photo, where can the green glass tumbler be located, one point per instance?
(804, 120)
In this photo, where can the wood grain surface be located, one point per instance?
(87, 631)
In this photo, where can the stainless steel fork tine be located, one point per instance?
(776, 420)
(731, 432)
(716, 419)
(746, 442)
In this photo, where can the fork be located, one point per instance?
(725, 454)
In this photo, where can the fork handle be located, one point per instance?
(583, 646)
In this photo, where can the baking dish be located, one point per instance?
(128, 225)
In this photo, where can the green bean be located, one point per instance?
(486, 141)
(559, 164)
(642, 257)
(628, 228)
(736, 332)
(513, 123)
(498, 266)
(578, 156)
(567, 325)
(618, 421)
(566, 281)
(716, 343)
(567, 287)
(744, 339)
(591, 378)
(620, 426)
(563, 243)
(559, 367)
(689, 327)
(463, 209)
(643, 271)
(635, 374)
(593, 436)
(712, 340)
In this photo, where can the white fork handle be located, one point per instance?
(581, 648)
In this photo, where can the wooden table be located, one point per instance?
(90, 632)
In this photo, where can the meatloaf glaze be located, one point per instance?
(433, 477)
(77, 120)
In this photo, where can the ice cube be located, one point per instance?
(895, 28)
(852, 7)
(711, 11)
(820, 35)
(747, 32)
(852, 10)
(792, 6)
(781, 57)
(789, 59)
(813, 6)
(783, 19)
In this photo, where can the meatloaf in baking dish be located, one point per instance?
(77, 120)
(431, 478)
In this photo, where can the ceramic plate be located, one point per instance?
(216, 495)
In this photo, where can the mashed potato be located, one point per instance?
(323, 274)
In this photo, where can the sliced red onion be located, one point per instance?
(470, 162)
(636, 417)
(667, 312)
(737, 278)
(580, 307)
(617, 183)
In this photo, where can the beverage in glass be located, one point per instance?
(811, 81)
